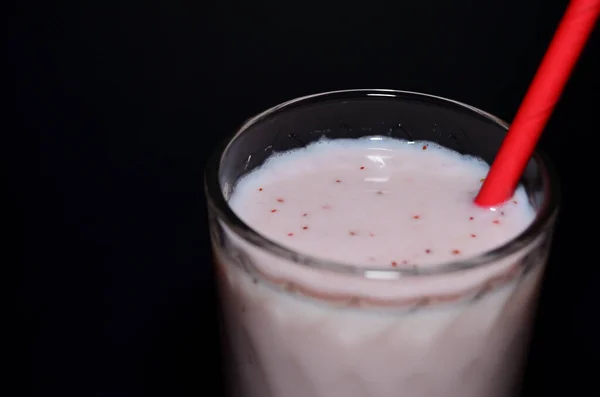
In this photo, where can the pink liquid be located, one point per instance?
(379, 204)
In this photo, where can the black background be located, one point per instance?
(116, 107)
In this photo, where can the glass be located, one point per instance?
(463, 332)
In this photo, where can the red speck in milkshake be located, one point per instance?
(424, 147)
(471, 218)
(473, 235)
(352, 233)
(280, 200)
(326, 207)
(338, 181)
(428, 251)
(496, 221)
(290, 234)
(273, 210)
(305, 214)
(304, 227)
(416, 216)
(394, 263)
(260, 189)
(455, 252)
(362, 167)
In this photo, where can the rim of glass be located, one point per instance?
(218, 203)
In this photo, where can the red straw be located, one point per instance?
(540, 100)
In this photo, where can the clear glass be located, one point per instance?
(463, 332)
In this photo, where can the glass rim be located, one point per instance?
(217, 202)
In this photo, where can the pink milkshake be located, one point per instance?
(375, 275)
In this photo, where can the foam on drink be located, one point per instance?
(380, 203)
(377, 202)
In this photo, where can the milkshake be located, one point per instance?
(374, 274)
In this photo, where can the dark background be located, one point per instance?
(116, 107)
